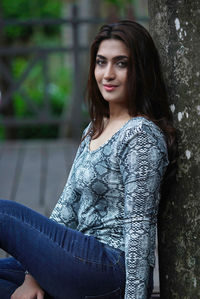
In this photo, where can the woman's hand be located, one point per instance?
(30, 289)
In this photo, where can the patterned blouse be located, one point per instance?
(112, 193)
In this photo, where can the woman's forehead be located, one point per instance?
(112, 47)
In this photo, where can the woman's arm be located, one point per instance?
(142, 163)
(65, 211)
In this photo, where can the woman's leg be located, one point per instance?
(11, 276)
(66, 263)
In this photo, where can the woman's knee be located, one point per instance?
(11, 270)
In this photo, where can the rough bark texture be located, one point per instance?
(175, 27)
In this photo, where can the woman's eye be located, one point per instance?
(100, 62)
(122, 64)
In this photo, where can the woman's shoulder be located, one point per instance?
(141, 126)
(87, 129)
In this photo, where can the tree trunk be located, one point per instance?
(175, 27)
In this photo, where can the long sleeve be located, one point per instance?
(143, 161)
(65, 211)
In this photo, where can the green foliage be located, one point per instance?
(24, 10)
(119, 3)
(2, 133)
(58, 87)
(16, 9)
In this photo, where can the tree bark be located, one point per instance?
(175, 27)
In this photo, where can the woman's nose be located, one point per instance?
(109, 72)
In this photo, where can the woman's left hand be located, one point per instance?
(30, 289)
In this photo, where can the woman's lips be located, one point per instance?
(109, 87)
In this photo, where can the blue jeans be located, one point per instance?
(65, 262)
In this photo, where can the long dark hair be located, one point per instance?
(146, 91)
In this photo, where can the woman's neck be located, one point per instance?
(118, 112)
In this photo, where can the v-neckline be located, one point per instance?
(109, 139)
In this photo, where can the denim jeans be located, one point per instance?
(65, 262)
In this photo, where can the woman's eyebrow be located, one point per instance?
(114, 58)
(101, 56)
(120, 57)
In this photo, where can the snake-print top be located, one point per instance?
(112, 193)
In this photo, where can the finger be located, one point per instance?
(40, 295)
(14, 296)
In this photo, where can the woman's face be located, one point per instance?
(111, 70)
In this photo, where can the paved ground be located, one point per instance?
(34, 173)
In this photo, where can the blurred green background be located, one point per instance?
(58, 82)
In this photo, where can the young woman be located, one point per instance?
(100, 240)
